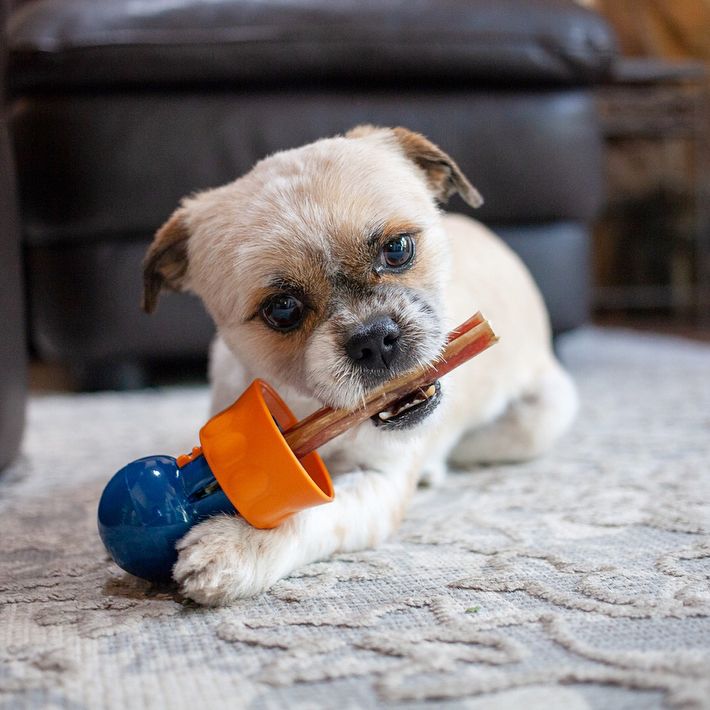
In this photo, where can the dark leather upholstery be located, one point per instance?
(121, 108)
(13, 387)
(131, 161)
(549, 250)
(96, 317)
(86, 43)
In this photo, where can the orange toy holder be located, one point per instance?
(254, 465)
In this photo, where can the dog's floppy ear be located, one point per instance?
(443, 175)
(165, 263)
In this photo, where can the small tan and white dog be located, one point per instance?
(329, 269)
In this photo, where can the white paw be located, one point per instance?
(224, 558)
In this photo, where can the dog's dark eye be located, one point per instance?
(282, 312)
(398, 252)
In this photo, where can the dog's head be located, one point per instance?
(323, 268)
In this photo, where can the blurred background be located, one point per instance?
(584, 125)
(651, 239)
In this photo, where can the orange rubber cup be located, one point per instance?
(255, 466)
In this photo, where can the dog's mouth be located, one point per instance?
(410, 409)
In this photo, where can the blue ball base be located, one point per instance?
(149, 505)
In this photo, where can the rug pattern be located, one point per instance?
(581, 580)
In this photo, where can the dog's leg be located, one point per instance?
(228, 376)
(527, 428)
(225, 558)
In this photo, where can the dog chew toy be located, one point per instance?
(254, 459)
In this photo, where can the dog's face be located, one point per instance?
(323, 268)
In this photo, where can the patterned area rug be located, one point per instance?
(578, 581)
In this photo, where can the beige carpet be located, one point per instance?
(577, 581)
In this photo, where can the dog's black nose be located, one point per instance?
(374, 344)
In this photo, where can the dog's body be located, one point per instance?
(303, 236)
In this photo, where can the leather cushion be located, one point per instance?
(85, 306)
(557, 256)
(84, 298)
(85, 43)
(114, 167)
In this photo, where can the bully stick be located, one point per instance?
(469, 339)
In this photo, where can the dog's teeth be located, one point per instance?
(426, 394)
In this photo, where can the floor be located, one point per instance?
(578, 581)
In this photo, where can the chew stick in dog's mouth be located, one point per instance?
(408, 391)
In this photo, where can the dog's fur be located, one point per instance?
(313, 219)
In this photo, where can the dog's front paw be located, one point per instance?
(225, 558)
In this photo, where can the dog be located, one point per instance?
(328, 270)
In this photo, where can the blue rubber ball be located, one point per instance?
(147, 507)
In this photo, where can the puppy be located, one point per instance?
(328, 270)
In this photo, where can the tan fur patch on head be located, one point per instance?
(361, 246)
(165, 264)
(394, 227)
(302, 271)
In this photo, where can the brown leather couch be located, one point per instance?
(121, 108)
